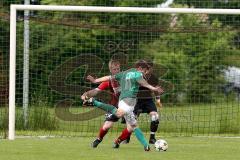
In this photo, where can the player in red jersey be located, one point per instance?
(113, 86)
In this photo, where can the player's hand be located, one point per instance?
(159, 90)
(84, 98)
(91, 79)
(159, 104)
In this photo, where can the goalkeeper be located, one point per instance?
(129, 84)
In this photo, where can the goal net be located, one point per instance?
(195, 54)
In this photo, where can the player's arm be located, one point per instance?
(154, 81)
(98, 80)
(158, 101)
(90, 93)
(144, 83)
(94, 92)
(157, 98)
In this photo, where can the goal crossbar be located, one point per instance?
(125, 9)
(13, 17)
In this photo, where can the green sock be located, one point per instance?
(105, 107)
(140, 137)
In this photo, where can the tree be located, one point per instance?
(194, 58)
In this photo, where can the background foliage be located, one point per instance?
(194, 49)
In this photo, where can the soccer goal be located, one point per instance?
(191, 50)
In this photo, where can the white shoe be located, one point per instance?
(88, 101)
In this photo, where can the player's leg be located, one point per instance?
(123, 108)
(153, 126)
(126, 133)
(110, 119)
(137, 111)
(117, 112)
(154, 117)
(141, 138)
(128, 106)
(138, 133)
(151, 108)
(104, 106)
(102, 132)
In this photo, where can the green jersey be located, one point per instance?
(128, 81)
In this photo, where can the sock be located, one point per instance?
(125, 134)
(140, 137)
(154, 126)
(102, 133)
(152, 135)
(105, 107)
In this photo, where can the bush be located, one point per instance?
(39, 118)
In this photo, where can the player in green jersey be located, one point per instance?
(130, 81)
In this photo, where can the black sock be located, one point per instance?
(152, 136)
(154, 126)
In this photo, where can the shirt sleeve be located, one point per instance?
(104, 85)
(138, 76)
(118, 76)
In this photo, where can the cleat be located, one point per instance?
(126, 141)
(108, 115)
(147, 148)
(88, 101)
(152, 140)
(96, 142)
(116, 145)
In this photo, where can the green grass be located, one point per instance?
(180, 148)
(187, 120)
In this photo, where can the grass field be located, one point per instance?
(180, 148)
(188, 120)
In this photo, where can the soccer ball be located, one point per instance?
(161, 145)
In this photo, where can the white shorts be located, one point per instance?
(127, 105)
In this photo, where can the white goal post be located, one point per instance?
(13, 17)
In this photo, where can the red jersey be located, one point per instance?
(113, 85)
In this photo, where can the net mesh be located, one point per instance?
(196, 58)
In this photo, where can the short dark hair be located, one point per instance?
(142, 64)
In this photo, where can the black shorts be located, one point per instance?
(111, 118)
(145, 106)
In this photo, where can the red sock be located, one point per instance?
(125, 134)
(102, 133)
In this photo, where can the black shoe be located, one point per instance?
(126, 141)
(152, 140)
(96, 142)
(147, 148)
(116, 145)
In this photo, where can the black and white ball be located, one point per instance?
(161, 145)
